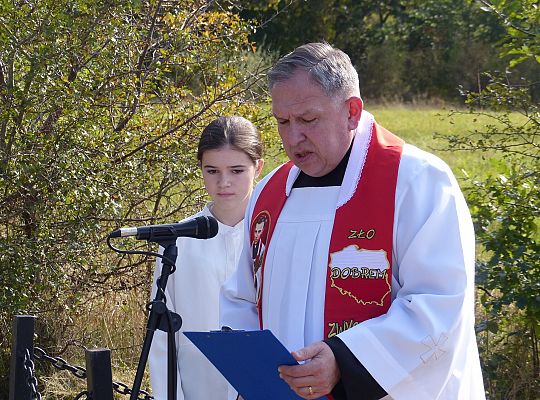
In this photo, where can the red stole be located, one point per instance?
(359, 275)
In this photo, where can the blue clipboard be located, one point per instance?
(249, 360)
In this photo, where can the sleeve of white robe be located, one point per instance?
(157, 358)
(237, 300)
(424, 347)
(237, 303)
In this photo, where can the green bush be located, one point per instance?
(101, 104)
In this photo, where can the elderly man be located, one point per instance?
(368, 273)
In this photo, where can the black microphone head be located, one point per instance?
(207, 227)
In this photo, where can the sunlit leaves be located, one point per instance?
(101, 105)
(506, 207)
(522, 21)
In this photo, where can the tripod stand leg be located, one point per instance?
(158, 310)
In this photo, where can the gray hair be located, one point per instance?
(327, 66)
(234, 131)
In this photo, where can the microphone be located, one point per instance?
(199, 228)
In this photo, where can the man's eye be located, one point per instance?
(282, 121)
(308, 120)
(211, 171)
(237, 171)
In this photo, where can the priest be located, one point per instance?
(368, 271)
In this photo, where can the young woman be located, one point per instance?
(230, 157)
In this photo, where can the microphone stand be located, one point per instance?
(161, 317)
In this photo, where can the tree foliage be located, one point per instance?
(506, 210)
(403, 49)
(100, 107)
(522, 22)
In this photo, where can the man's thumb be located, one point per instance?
(306, 353)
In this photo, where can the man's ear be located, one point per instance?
(355, 111)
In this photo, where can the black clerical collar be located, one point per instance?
(333, 178)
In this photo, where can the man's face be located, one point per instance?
(316, 130)
(259, 226)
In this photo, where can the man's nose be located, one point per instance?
(295, 134)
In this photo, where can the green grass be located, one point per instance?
(426, 128)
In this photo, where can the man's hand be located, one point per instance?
(317, 376)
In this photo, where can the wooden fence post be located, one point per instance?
(23, 339)
(99, 374)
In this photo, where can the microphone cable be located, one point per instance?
(141, 252)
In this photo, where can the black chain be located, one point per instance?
(59, 363)
(85, 394)
(30, 378)
(122, 388)
(80, 372)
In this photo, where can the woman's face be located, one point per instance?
(228, 176)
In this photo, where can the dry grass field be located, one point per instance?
(117, 320)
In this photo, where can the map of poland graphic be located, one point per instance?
(353, 268)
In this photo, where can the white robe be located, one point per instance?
(193, 293)
(424, 348)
